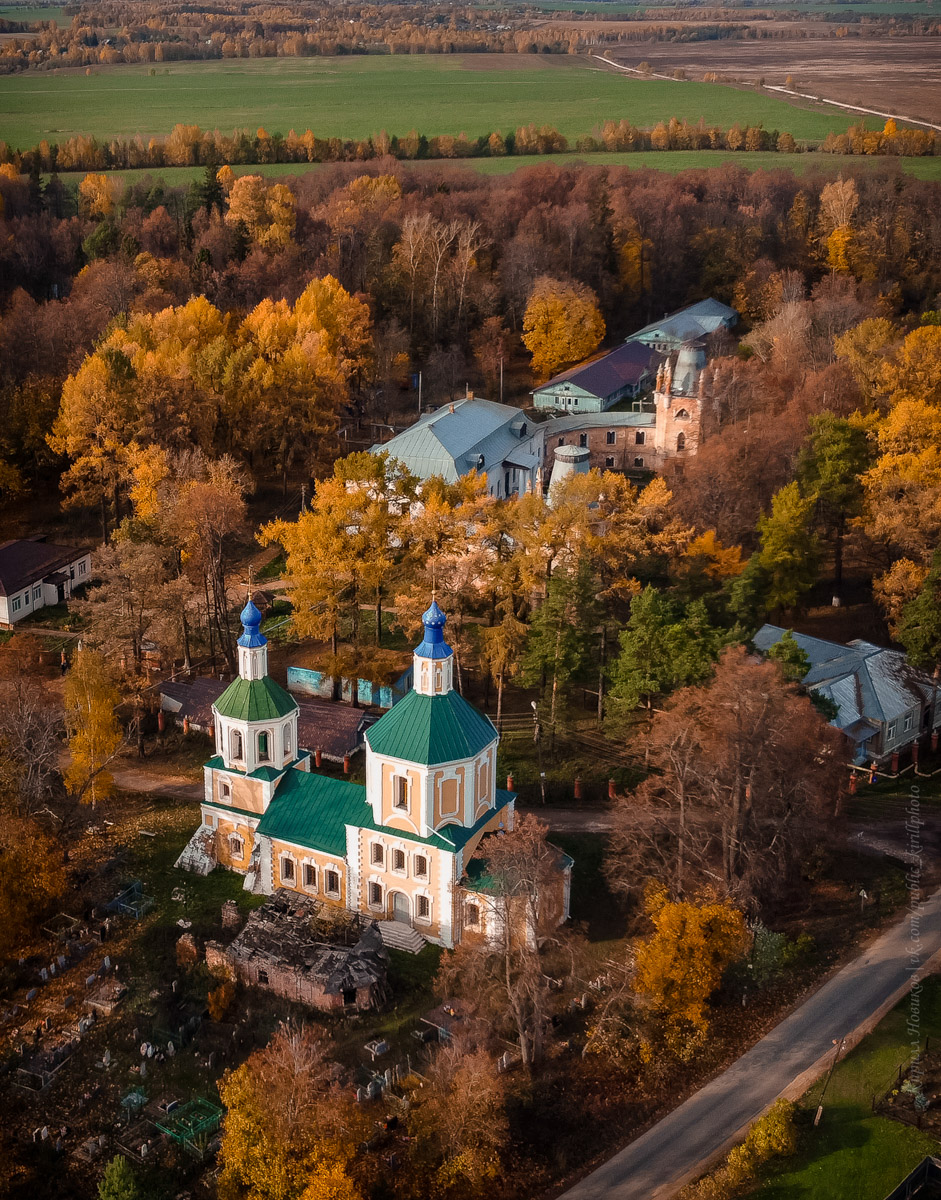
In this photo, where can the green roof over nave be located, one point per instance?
(255, 700)
(430, 730)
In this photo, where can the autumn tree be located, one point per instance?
(746, 777)
(119, 1181)
(681, 964)
(290, 1131)
(919, 627)
(505, 978)
(94, 733)
(562, 325)
(31, 881)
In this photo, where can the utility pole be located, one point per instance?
(501, 378)
(419, 393)
(537, 738)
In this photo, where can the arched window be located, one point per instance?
(236, 845)
(287, 739)
(288, 873)
(225, 790)
(235, 739)
(264, 753)
(682, 415)
(680, 442)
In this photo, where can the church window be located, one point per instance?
(287, 739)
(377, 855)
(225, 790)
(423, 908)
(331, 883)
(398, 860)
(310, 875)
(483, 779)
(680, 442)
(263, 752)
(610, 437)
(236, 741)
(583, 439)
(638, 462)
(472, 915)
(421, 866)
(375, 894)
(236, 845)
(682, 415)
(287, 870)
(639, 437)
(400, 792)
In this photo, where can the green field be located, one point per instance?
(356, 97)
(869, 8)
(672, 162)
(853, 1154)
(26, 12)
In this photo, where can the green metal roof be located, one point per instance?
(217, 763)
(254, 700)
(478, 876)
(313, 810)
(431, 729)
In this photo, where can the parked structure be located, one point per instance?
(395, 849)
(473, 435)
(34, 573)
(884, 705)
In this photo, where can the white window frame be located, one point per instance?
(418, 915)
(305, 867)
(375, 885)
(15, 603)
(82, 567)
(236, 850)
(416, 870)
(37, 593)
(286, 857)
(891, 731)
(403, 869)
(286, 739)
(908, 723)
(400, 782)
(328, 870)
(225, 789)
(377, 854)
(640, 437)
(475, 905)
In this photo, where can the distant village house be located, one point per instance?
(35, 573)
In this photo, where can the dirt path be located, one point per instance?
(852, 108)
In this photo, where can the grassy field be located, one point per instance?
(356, 97)
(680, 160)
(869, 8)
(853, 1154)
(27, 12)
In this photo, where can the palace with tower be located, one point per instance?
(402, 848)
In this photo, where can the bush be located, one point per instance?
(771, 1136)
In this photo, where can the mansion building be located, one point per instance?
(404, 847)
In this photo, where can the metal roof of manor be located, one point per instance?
(866, 682)
(314, 810)
(606, 375)
(431, 730)
(449, 441)
(687, 324)
(26, 562)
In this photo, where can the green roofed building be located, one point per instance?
(396, 849)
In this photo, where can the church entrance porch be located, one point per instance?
(401, 909)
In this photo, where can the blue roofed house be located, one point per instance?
(884, 705)
(398, 849)
(688, 324)
(473, 435)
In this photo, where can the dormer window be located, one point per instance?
(523, 429)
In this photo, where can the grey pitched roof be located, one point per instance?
(604, 420)
(606, 375)
(867, 683)
(26, 562)
(687, 324)
(450, 441)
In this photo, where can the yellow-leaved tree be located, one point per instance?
(31, 880)
(290, 1132)
(562, 324)
(92, 725)
(680, 965)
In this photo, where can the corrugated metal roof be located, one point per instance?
(313, 811)
(604, 420)
(431, 730)
(254, 700)
(604, 376)
(687, 324)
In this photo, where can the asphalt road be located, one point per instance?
(658, 1163)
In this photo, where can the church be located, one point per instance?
(400, 849)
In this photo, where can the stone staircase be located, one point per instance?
(399, 936)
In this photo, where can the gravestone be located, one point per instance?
(68, 1002)
(44, 974)
(106, 1058)
(231, 918)
(62, 961)
(31, 995)
(361, 1095)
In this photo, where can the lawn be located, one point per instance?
(356, 97)
(853, 1154)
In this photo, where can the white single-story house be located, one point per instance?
(35, 573)
(884, 705)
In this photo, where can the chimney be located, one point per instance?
(450, 408)
(470, 395)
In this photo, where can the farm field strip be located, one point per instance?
(358, 97)
(669, 161)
